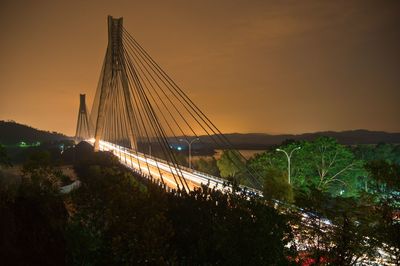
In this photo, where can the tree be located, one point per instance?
(269, 159)
(322, 163)
(231, 164)
(380, 152)
(33, 219)
(39, 170)
(370, 155)
(4, 159)
(208, 166)
(180, 158)
(354, 230)
(386, 187)
(336, 230)
(207, 223)
(276, 186)
(386, 177)
(115, 217)
(116, 220)
(329, 166)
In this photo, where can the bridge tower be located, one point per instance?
(138, 107)
(113, 78)
(82, 127)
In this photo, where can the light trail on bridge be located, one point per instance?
(149, 166)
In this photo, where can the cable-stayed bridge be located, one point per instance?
(139, 112)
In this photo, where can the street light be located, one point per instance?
(190, 149)
(289, 156)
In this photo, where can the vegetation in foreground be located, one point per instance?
(116, 218)
(353, 189)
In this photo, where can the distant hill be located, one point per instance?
(12, 133)
(351, 137)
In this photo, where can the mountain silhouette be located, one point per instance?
(12, 133)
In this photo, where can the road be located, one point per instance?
(163, 170)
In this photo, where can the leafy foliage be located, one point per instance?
(276, 186)
(337, 230)
(116, 217)
(386, 189)
(208, 166)
(331, 166)
(231, 164)
(144, 224)
(4, 159)
(380, 152)
(386, 177)
(322, 163)
(33, 219)
(40, 171)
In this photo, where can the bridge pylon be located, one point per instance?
(140, 114)
(82, 127)
(114, 81)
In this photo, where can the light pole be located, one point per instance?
(190, 149)
(289, 156)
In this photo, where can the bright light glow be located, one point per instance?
(155, 167)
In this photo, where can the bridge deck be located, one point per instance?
(149, 166)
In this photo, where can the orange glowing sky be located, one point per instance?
(252, 66)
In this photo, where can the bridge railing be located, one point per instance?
(205, 179)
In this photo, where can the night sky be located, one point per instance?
(251, 66)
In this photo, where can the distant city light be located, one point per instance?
(22, 144)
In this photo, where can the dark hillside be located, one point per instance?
(12, 133)
(261, 141)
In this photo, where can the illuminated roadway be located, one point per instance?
(148, 166)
